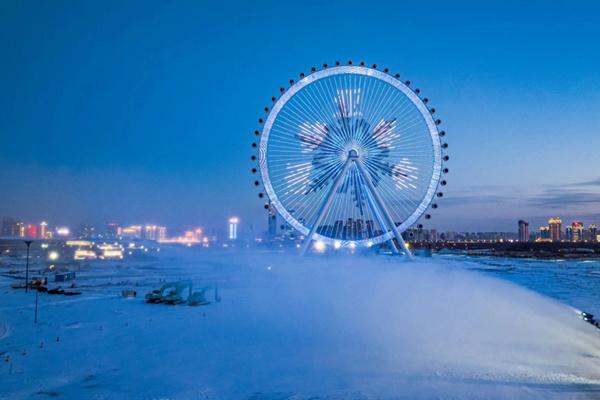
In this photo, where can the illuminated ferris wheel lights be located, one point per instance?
(354, 153)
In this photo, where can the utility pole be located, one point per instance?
(28, 243)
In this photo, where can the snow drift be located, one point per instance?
(322, 327)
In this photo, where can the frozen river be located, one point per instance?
(576, 283)
(326, 327)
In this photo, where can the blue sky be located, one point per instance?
(143, 111)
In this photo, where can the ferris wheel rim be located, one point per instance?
(364, 71)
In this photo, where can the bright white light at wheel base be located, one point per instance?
(320, 246)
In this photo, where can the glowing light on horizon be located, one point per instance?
(320, 246)
(63, 231)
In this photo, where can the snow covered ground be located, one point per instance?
(296, 328)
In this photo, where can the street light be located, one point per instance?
(28, 243)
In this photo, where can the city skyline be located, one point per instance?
(233, 229)
(152, 120)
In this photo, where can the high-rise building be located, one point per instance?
(433, 235)
(161, 233)
(21, 229)
(86, 231)
(9, 228)
(112, 229)
(133, 231)
(233, 228)
(31, 231)
(576, 231)
(43, 231)
(594, 233)
(523, 231)
(569, 233)
(151, 232)
(545, 234)
(555, 226)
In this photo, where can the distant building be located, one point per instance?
(161, 233)
(433, 235)
(594, 233)
(133, 232)
(569, 234)
(21, 232)
(233, 228)
(86, 231)
(31, 231)
(450, 235)
(545, 235)
(9, 228)
(155, 232)
(43, 231)
(112, 229)
(523, 231)
(555, 225)
(576, 232)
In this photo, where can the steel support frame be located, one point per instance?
(375, 203)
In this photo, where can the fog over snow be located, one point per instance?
(347, 327)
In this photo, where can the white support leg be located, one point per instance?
(379, 219)
(382, 207)
(326, 204)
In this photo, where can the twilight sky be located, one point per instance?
(143, 111)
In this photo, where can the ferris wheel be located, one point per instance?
(350, 155)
